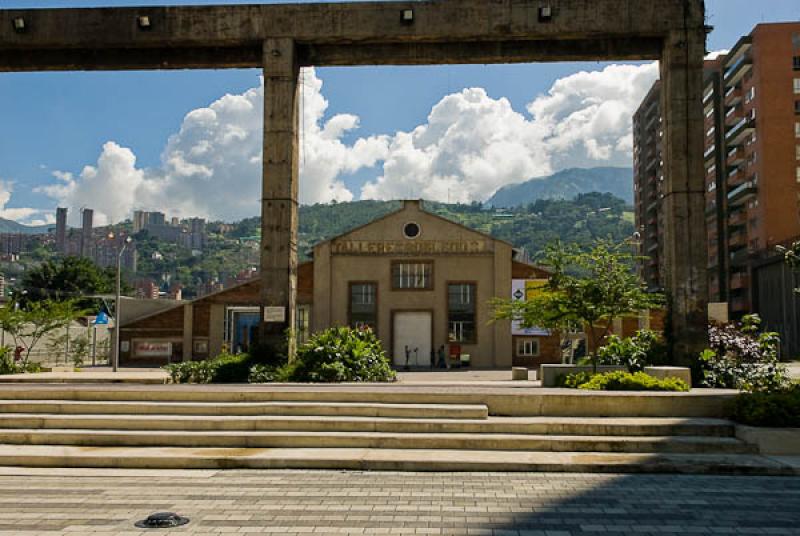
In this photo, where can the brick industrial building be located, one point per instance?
(751, 101)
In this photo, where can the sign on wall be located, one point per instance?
(410, 247)
(152, 349)
(275, 314)
(521, 290)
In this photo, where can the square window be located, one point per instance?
(528, 347)
(412, 276)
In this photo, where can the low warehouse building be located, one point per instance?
(421, 282)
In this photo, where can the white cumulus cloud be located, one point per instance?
(26, 215)
(473, 144)
(212, 166)
(470, 145)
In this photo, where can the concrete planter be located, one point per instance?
(550, 373)
(662, 373)
(771, 441)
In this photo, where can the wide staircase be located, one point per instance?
(153, 429)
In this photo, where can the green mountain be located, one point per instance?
(567, 184)
(10, 226)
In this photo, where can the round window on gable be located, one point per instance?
(411, 230)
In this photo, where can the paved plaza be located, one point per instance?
(329, 502)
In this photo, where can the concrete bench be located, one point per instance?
(662, 373)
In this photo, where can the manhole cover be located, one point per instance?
(162, 520)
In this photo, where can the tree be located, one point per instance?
(587, 289)
(27, 326)
(67, 278)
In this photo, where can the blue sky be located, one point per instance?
(60, 121)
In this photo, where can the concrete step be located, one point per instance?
(352, 409)
(375, 440)
(517, 402)
(492, 425)
(389, 460)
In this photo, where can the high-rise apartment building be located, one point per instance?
(61, 230)
(752, 161)
(648, 180)
(87, 223)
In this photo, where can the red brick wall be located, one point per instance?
(549, 352)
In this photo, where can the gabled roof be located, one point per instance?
(422, 208)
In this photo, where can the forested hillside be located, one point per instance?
(567, 184)
(581, 220)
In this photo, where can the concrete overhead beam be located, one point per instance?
(250, 56)
(228, 36)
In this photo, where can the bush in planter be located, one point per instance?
(191, 371)
(225, 368)
(742, 358)
(622, 381)
(342, 354)
(644, 349)
(261, 373)
(777, 409)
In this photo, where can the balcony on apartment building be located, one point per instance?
(708, 94)
(737, 240)
(736, 156)
(739, 63)
(737, 219)
(744, 127)
(733, 95)
(736, 177)
(733, 115)
(742, 193)
(709, 153)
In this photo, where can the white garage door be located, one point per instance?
(412, 339)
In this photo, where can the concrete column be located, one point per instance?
(188, 331)
(685, 240)
(279, 203)
(216, 329)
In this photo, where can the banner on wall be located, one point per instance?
(152, 349)
(524, 289)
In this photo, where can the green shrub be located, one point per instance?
(646, 348)
(342, 355)
(623, 381)
(777, 409)
(191, 371)
(573, 381)
(740, 357)
(271, 374)
(9, 366)
(232, 368)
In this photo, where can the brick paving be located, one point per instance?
(330, 502)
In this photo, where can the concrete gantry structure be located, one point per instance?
(282, 38)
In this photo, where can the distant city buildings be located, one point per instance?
(190, 234)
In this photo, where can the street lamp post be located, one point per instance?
(117, 302)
